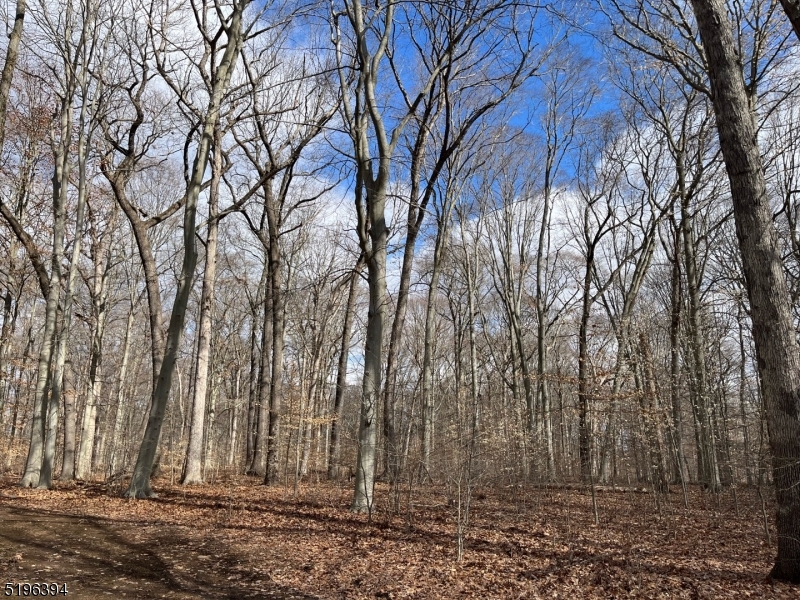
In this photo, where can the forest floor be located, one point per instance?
(239, 539)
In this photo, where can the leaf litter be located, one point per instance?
(239, 539)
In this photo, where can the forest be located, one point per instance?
(495, 298)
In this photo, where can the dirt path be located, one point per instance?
(100, 558)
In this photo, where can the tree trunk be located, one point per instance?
(390, 435)
(258, 465)
(12, 52)
(140, 482)
(743, 396)
(341, 372)
(584, 425)
(373, 363)
(428, 412)
(95, 383)
(67, 468)
(473, 347)
(70, 416)
(119, 417)
(652, 414)
(676, 303)
(278, 337)
(255, 364)
(209, 441)
(792, 10)
(708, 468)
(9, 321)
(45, 412)
(232, 439)
(252, 394)
(773, 328)
(193, 470)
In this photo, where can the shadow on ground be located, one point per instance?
(98, 558)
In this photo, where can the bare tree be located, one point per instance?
(462, 98)
(224, 38)
(369, 40)
(73, 38)
(773, 328)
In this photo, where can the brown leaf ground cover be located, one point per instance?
(239, 539)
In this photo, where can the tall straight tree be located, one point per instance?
(778, 355)
(468, 90)
(229, 34)
(288, 111)
(264, 55)
(370, 36)
(193, 469)
(73, 33)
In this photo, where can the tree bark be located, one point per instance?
(193, 470)
(334, 448)
(707, 468)
(743, 396)
(10, 65)
(95, 383)
(139, 486)
(278, 331)
(70, 416)
(792, 10)
(258, 465)
(584, 400)
(252, 393)
(679, 474)
(98, 299)
(376, 317)
(45, 411)
(652, 414)
(777, 352)
(119, 416)
(253, 399)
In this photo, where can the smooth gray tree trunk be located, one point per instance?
(371, 385)
(193, 470)
(84, 139)
(94, 389)
(45, 415)
(120, 414)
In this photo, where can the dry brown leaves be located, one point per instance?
(239, 539)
